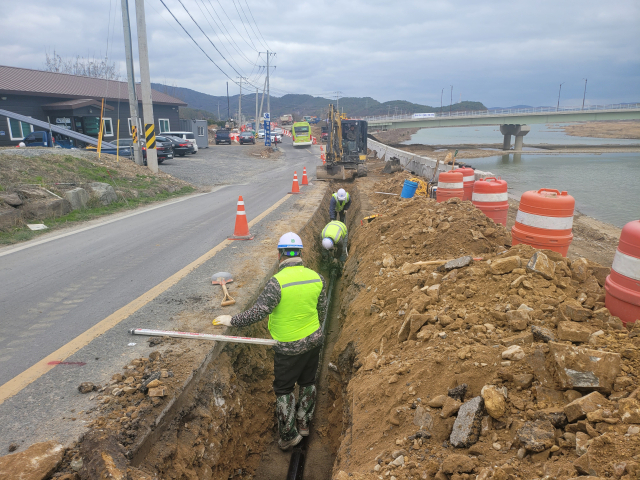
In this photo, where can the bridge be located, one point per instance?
(512, 121)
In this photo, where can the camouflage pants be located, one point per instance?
(287, 415)
(306, 405)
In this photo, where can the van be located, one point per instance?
(188, 136)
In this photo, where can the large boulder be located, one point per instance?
(47, 208)
(37, 462)
(9, 218)
(12, 199)
(78, 198)
(584, 369)
(105, 192)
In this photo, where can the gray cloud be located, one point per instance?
(498, 52)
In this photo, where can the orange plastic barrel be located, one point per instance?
(491, 198)
(468, 178)
(450, 184)
(545, 220)
(623, 283)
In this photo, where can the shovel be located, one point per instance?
(222, 278)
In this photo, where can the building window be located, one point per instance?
(18, 130)
(139, 127)
(164, 125)
(108, 127)
(201, 131)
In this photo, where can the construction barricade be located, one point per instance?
(545, 220)
(468, 178)
(622, 286)
(491, 198)
(450, 185)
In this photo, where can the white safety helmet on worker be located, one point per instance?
(290, 240)
(341, 194)
(327, 243)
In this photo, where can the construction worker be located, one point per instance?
(296, 302)
(334, 234)
(340, 203)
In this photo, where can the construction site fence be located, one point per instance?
(421, 166)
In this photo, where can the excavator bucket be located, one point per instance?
(332, 172)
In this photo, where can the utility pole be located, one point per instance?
(240, 104)
(145, 87)
(228, 104)
(441, 94)
(218, 111)
(133, 99)
(268, 91)
(560, 90)
(255, 123)
(451, 101)
(585, 93)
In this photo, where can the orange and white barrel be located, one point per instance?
(491, 198)
(450, 184)
(545, 220)
(622, 286)
(468, 178)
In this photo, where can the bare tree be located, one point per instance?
(87, 67)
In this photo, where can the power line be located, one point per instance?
(243, 25)
(234, 26)
(254, 21)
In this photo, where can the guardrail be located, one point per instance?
(507, 111)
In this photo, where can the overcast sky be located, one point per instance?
(501, 53)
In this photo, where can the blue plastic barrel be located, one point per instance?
(409, 189)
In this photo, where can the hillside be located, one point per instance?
(299, 105)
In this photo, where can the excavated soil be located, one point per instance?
(403, 346)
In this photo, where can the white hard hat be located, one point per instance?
(327, 243)
(290, 240)
(342, 194)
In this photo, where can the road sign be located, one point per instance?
(267, 132)
(266, 116)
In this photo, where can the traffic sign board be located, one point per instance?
(267, 116)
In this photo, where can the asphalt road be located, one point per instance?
(56, 290)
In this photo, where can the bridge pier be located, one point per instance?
(518, 130)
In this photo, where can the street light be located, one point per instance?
(451, 101)
(585, 92)
(441, 94)
(558, 107)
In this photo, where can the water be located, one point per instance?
(606, 187)
(539, 134)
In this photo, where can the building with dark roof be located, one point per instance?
(74, 102)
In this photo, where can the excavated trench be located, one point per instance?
(225, 427)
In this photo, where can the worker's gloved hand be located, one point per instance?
(222, 320)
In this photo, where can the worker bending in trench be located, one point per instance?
(334, 239)
(295, 299)
(340, 203)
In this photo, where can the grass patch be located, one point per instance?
(94, 211)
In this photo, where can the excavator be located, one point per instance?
(346, 148)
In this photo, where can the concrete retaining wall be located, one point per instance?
(422, 166)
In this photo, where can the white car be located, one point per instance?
(188, 136)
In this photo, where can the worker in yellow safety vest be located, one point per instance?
(340, 203)
(295, 300)
(335, 234)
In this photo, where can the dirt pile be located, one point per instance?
(502, 363)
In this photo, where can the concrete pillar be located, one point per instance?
(522, 130)
(506, 144)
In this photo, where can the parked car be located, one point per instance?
(246, 137)
(44, 139)
(164, 148)
(180, 146)
(222, 136)
(261, 133)
(189, 136)
(124, 143)
(324, 136)
(276, 137)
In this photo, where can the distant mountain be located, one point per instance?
(299, 105)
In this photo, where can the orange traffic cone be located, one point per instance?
(241, 231)
(321, 148)
(295, 188)
(305, 181)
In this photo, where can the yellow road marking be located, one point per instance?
(31, 374)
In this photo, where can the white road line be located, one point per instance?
(10, 250)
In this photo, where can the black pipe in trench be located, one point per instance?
(298, 456)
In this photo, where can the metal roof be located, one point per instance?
(75, 103)
(37, 82)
